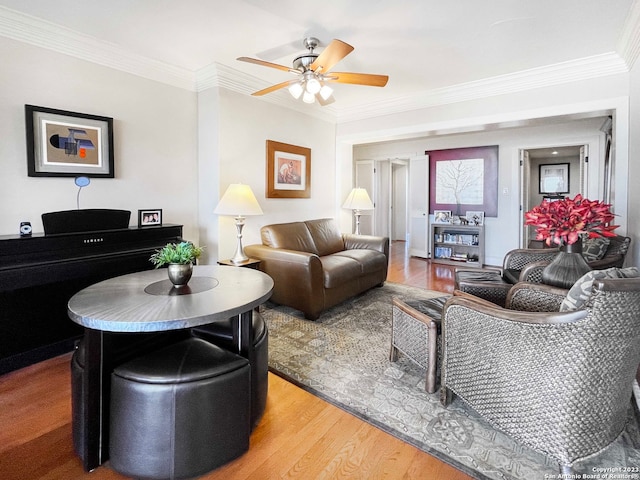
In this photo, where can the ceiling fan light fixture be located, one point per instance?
(296, 90)
(313, 86)
(325, 92)
(308, 97)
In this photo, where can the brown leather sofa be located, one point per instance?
(314, 266)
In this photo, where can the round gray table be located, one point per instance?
(118, 312)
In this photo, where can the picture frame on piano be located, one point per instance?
(150, 218)
(68, 144)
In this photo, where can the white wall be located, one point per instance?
(245, 124)
(634, 165)
(502, 233)
(155, 133)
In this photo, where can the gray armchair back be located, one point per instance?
(557, 382)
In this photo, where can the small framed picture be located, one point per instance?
(554, 178)
(475, 217)
(150, 218)
(442, 216)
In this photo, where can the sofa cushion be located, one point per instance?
(370, 261)
(290, 236)
(578, 295)
(326, 236)
(594, 248)
(338, 270)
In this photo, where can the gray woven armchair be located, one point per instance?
(557, 382)
(526, 265)
(614, 256)
(494, 284)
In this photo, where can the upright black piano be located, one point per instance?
(40, 273)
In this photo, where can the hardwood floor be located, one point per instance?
(300, 435)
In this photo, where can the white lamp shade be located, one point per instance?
(358, 199)
(238, 200)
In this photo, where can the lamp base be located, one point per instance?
(239, 256)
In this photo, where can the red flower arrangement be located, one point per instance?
(563, 221)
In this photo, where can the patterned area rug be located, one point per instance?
(344, 358)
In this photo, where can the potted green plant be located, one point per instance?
(179, 258)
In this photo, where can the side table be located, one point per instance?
(250, 263)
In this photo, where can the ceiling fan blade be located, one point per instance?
(266, 64)
(358, 78)
(331, 55)
(273, 88)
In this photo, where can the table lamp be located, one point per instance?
(238, 201)
(358, 200)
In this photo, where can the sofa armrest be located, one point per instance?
(371, 242)
(267, 254)
(297, 276)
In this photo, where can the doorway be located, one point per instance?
(399, 199)
(387, 182)
(552, 173)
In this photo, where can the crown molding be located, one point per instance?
(559, 73)
(43, 34)
(629, 41)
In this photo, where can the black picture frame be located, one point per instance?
(54, 151)
(150, 218)
(483, 170)
(553, 178)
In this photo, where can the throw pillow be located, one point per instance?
(579, 294)
(594, 248)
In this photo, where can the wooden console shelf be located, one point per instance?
(457, 244)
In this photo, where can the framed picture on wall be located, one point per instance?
(288, 171)
(68, 144)
(462, 179)
(554, 178)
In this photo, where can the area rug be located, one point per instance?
(344, 358)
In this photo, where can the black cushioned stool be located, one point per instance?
(221, 334)
(180, 411)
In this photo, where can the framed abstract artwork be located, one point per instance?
(288, 171)
(462, 179)
(68, 144)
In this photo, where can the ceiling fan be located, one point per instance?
(313, 73)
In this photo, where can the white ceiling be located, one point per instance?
(427, 47)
